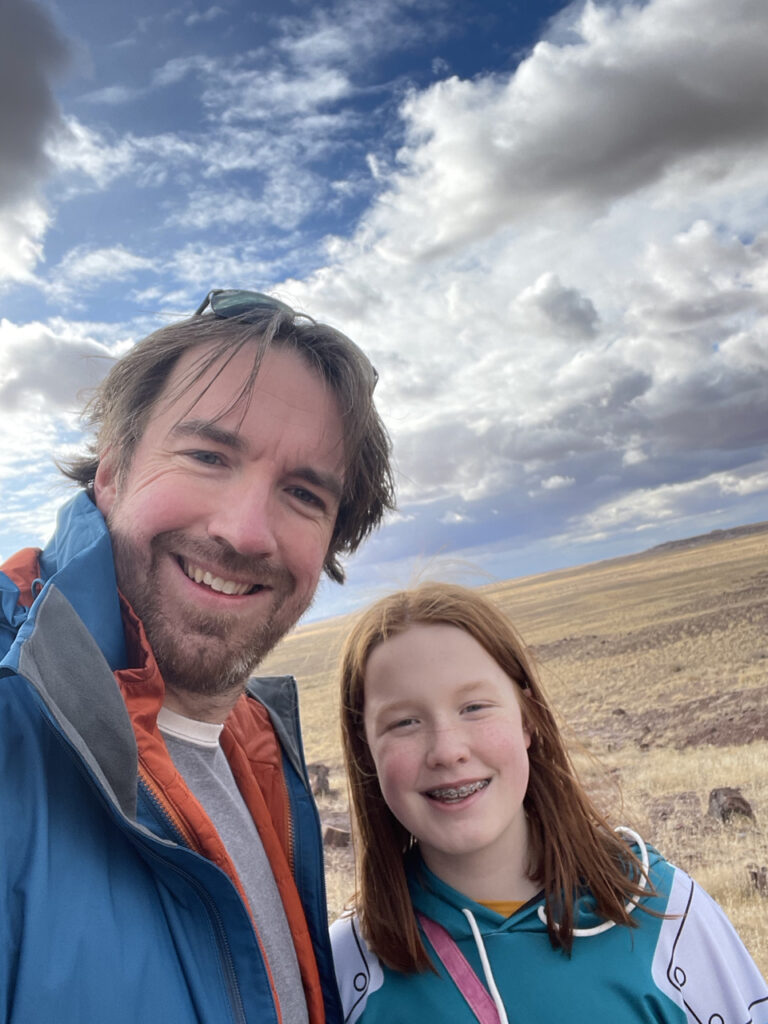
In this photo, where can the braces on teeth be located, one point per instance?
(461, 792)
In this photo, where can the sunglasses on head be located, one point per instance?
(229, 302)
(234, 302)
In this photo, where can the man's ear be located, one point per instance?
(105, 482)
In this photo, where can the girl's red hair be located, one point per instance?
(570, 842)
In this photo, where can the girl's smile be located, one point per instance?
(447, 736)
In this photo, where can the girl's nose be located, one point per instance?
(447, 746)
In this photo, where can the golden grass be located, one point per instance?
(657, 665)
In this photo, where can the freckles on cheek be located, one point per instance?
(396, 773)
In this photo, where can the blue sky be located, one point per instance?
(546, 223)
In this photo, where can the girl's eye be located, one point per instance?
(402, 723)
(476, 706)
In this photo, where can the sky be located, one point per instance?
(546, 224)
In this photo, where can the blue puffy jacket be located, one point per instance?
(110, 914)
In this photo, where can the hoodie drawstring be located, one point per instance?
(465, 978)
(581, 933)
(490, 981)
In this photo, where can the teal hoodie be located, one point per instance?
(689, 966)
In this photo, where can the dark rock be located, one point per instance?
(726, 801)
(759, 878)
(318, 777)
(335, 837)
(680, 808)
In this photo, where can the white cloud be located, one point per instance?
(113, 95)
(22, 230)
(555, 483)
(178, 68)
(563, 283)
(256, 95)
(350, 33)
(45, 367)
(564, 310)
(647, 506)
(80, 149)
(604, 332)
(633, 97)
(452, 518)
(208, 15)
(83, 269)
(284, 203)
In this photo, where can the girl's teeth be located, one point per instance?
(460, 792)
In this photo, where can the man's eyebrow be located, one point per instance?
(329, 482)
(207, 430)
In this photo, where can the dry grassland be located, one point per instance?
(658, 666)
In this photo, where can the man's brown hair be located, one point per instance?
(119, 410)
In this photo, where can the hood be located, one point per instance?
(78, 563)
(439, 901)
(69, 641)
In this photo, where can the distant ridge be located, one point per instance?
(708, 538)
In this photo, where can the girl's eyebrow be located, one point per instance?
(410, 702)
(396, 705)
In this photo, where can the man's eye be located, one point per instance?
(307, 497)
(209, 458)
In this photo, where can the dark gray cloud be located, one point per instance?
(32, 52)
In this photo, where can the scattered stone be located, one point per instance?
(759, 878)
(318, 777)
(726, 801)
(679, 809)
(335, 837)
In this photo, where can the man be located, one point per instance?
(160, 851)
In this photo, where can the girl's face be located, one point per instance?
(446, 732)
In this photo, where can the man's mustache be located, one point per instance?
(225, 557)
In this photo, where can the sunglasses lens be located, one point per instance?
(231, 303)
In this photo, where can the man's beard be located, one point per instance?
(199, 652)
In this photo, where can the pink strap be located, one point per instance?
(454, 961)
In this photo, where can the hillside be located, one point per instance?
(657, 664)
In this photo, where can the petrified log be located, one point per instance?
(759, 878)
(726, 801)
(335, 837)
(318, 776)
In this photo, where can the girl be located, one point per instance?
(481, 856)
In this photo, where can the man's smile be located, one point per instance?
(217, 583)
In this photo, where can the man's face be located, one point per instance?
(221, 524)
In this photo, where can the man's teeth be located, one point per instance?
(216, 583)
(459, 792)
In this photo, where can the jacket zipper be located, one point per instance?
(230, 975)
(225, 953)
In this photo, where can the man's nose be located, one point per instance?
(447, 746)
(244, 518)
